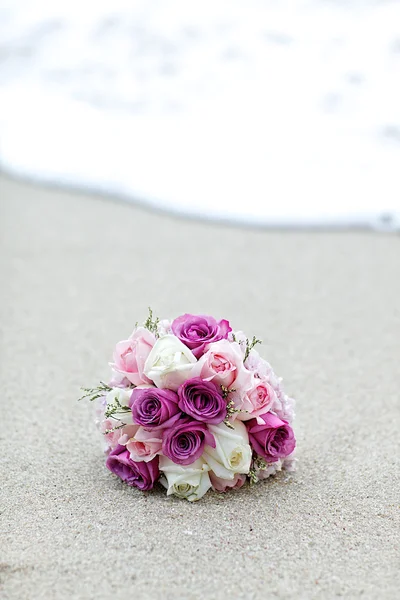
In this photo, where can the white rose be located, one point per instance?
(169, 363)
(190, 482)
(232, 453)
(120, 396)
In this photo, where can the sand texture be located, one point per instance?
(76, 273)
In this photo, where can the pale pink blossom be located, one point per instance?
(119, 380)
(284, 464)
(289, 463)
(164, 327)
(257, 365)
(283, 405)
(223, 485)
(271, 469)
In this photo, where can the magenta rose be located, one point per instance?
(184, 442)
(154, 407)
(196, 331)
(272, 440)
(142, 475)
(202, 400)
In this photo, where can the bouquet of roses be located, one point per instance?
(191, 404)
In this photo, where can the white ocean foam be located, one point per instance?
(267, 112)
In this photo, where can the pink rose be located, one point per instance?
(223, 364)
(113, 438)
(258, 400)
(144, 445)
(130, 355)
(223, 485)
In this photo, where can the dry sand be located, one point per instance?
(76, 273)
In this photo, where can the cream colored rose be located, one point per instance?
(169, 363)
(120, 397)
(190, 482)
(232, 453)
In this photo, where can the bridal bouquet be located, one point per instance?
(191, 404)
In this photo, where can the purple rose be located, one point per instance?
(153, 407)
(184, 442)
(202, 400)
(142, 475)
(272, 440)
(196, 331)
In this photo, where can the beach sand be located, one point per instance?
(77, 272)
